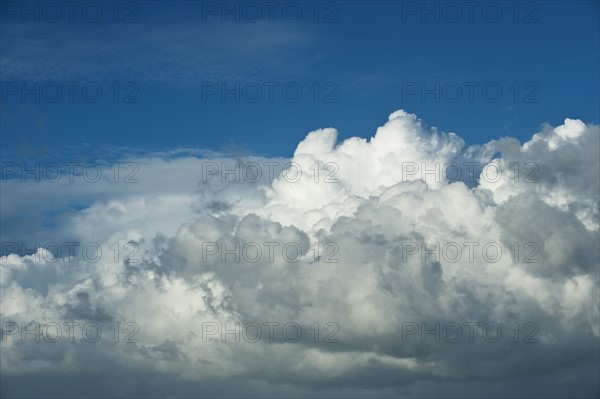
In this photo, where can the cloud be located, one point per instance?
(153, 51)
(362, 219)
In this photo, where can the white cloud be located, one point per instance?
(369, 211)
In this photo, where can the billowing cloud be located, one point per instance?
(422, 259)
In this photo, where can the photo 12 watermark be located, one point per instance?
(70, 172)
(468, 332)
(71, 251)
(270, 92)
(254, 171)
(469, 92)
(270, 332)
(318, 12)
(268, 252)
(470, 12)
(71, 12)
(470, 171)
(69, 331)
(469, 251)
(71, 92)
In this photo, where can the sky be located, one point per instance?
(300, 199)
(161, 68)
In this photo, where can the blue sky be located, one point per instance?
(366, 59)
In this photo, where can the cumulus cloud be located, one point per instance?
(375, 240)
